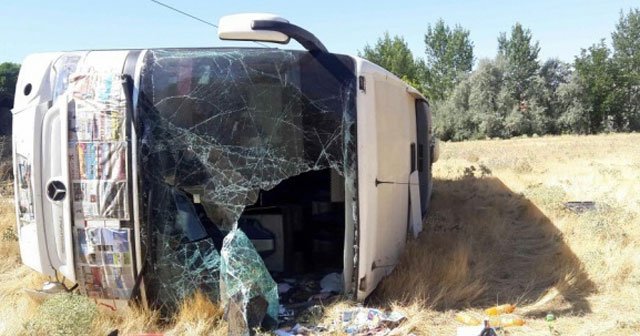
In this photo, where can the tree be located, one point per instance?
(626, 58)
(555, 72)
(531, 116)
(485, 98)
(552, 75)
(393, 54)
(575, 114)
(451, 117)
(521, 55)
(449, 55)
(8, 79)
(596, 74)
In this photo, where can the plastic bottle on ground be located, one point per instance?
(501, 309)
(467, 319)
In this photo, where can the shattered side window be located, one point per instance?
(215, 127)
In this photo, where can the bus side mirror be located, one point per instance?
(239, 27)
(266, 28)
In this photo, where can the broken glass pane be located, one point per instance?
(216, 126)
(185, 257)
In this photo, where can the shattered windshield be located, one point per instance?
(216, 126)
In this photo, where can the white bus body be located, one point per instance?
(112, 148)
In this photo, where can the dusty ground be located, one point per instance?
(498, 233)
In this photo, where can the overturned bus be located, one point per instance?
(151, 174)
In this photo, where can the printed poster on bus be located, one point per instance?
(105, 262)
(97, 146)
(98, 161)
(86, 124)
(97, 199)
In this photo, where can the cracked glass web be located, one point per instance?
(216, 126)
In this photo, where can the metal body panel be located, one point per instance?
(33, 99)
(386, 133)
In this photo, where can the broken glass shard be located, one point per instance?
(247, 289)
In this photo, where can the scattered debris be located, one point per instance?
(359, 321)
(580, 207)
(368, 321)
(305, 291)
(283, 287)
(311, 315)
(301, 300)
(320, 296)
(331, 283)
(299, 330)
(286, 314)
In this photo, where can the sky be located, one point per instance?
(562, 27)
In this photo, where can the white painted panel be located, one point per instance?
(367, 194)
(239, 27)
(33, 93)
(394, 131)
(386, 129)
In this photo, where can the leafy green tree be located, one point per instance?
(531, 115)
(485, 98)
(553, 73)
(575, 113)
(451, 117)
(626, 57)
(521, 55)
(596, 74)
(515, 94)
(449, 55)
(8, 79)
(393, 54)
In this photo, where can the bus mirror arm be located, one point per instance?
(303, 36)
(309, 42)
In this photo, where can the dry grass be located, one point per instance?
(197, 316)
(498, 233)
(5, 166)
(16, 307)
